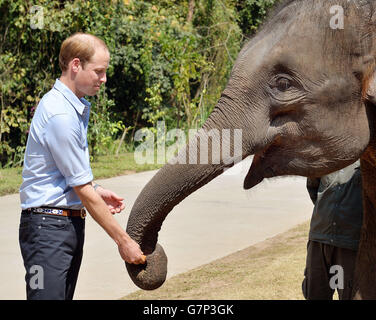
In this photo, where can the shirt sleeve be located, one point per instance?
(64, 139)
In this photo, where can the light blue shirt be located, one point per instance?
(57, 155)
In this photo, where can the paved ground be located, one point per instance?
(217, 220)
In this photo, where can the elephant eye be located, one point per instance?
(283, 84)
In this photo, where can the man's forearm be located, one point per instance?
(100, 212)
(99, 209)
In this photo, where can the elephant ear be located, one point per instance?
(370, 88)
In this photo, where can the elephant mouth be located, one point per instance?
(257, 172)
(261, 166)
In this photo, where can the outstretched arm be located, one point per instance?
(101, 211)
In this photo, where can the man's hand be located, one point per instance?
(113, 201)
(130, 252)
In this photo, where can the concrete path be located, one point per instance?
(215, 221)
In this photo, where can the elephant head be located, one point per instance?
(302, 93)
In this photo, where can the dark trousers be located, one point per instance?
(328, 268)
(51, 248)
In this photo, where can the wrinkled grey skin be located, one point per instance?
(303, 94)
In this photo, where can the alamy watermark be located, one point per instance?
(337, 20)
(337, 280)
(37, 279)
(212, 146)
(36, 17)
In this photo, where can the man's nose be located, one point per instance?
(103, 78)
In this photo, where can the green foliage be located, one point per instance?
(102, 128)
(164, 65)
(251, 13)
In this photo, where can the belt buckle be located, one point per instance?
(82, 213)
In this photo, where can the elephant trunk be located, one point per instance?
(194, 166)
(146, 218)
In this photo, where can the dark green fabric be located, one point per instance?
(338, 211)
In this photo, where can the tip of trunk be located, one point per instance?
(152, 274)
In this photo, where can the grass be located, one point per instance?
(104, 167)
(270, 270)
(10, 180)
(111, 166)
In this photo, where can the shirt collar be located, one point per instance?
(80, 104)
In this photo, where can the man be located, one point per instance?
(58, 181)
(334, 234)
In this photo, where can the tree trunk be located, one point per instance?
(135, 123)
(122, 140)
(191, 9)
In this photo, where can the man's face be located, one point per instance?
(90, 77)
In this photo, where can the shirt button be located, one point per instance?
(334, 223)
(331, 240)
(44, 218)
(39, 227)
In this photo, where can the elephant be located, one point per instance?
(303, 94)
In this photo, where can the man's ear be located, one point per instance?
(75, 63)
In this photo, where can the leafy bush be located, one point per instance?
(251, 13)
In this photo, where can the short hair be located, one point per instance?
(79, 45)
